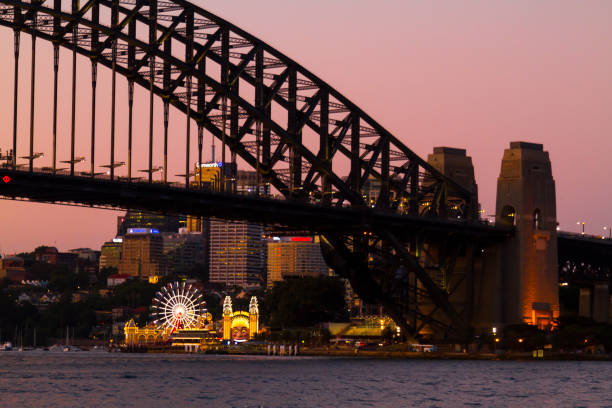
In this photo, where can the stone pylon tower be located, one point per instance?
(227, 318)
(526, 199)
(450, 262)
(455, 164)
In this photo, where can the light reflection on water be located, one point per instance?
(83, 379)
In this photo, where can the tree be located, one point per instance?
(388, 333)
(62, 280)
(134, 293)
(199, 271)
(572, 331)
(213, 304)
(103, 275)
(303, 302)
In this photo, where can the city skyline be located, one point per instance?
(497, 73)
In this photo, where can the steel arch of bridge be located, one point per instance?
(165, 45)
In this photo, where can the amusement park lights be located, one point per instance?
(177, 306)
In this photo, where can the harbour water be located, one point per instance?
(88, 379)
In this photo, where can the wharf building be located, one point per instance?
(294, 257)
(236, 326)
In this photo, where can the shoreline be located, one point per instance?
(506, 356)
(399, 355)
(368, 354)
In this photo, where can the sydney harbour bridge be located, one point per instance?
(419, 248)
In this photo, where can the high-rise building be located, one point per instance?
(46, 254)
(140, 219)
(209, 174)
(183, 250)
(142, 254)
(212, 174)
(291, 257)
(236, 253)
(371, 190)
(248, 184)
(235, 249)
(86, 254)
(13, 268)
(196, 224)
(110, 254)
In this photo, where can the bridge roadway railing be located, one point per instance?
(584, 259)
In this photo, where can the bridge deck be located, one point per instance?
(175, 199)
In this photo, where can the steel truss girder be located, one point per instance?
(383, 271)
(174, 31)
(584, 260)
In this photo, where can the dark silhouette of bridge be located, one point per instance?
(315, 150)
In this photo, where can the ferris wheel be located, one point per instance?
(177, 306)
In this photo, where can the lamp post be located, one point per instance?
(581, 223)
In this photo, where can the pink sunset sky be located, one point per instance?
(469, 74)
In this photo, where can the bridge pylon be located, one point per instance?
(526, 199)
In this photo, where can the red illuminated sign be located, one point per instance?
(301, 239)
(6, 179)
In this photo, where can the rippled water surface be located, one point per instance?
(169, 380)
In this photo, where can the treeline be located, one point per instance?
(572, 333)
(289, 306)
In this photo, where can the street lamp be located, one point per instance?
(581, 223)
(609, 231)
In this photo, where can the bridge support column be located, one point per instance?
(526, 199)
(584, 302)
(601, 303)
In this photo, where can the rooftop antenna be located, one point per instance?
(212, 149)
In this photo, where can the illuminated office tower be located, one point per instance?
(110, 254)
(209, 175)
(214, 176)
(141, 219)
(291, 257)
(142, 254)
(236, 254)
(247, 183)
